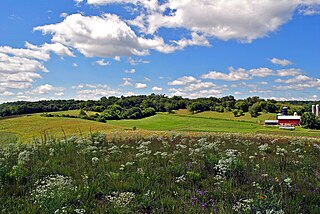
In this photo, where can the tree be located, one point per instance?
(196, 107)
(270, 107)
(255, 109)
(237, 113)
(310, 121)
(82, 114)
(242, 105)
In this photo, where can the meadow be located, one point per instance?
(161, 173)
(26, 127)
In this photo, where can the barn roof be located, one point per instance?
(289, 117)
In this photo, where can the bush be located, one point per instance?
(310, 121)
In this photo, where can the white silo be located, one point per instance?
(313, 109)
(317, 110)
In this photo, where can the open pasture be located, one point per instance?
(25, 128)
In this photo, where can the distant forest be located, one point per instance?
(135, 107)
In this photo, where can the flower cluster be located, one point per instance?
(122, 199)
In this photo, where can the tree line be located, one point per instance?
(140, 106)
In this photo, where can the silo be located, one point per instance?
(285, 111)
(317, 110)
(313, 109)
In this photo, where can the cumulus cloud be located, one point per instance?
(282, 62)
(101, 62)
(94, 92)
(141, 85)
(234, 75)
(157, 88)
(243, 74)
(242, 21)
(17, 72)
(108, 36)
(131, 71)
(46, 89)
(184, 80)
(137, 61)
(189, 86)
(127, 82)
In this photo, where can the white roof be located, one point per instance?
(289, 117)
(271, 121)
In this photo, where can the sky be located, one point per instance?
(87, 49)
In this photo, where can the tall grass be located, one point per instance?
(161, 174)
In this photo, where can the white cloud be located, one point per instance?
(282, 62)
(106, 36)
(297, 79)
(184, 80)
(25, 53)
(117, 58)
(132, 71)
(46, 89)
(234, 75)
(242, 21)
(7, 94)
(288, 72)
(242, 74)
(63, 15)
(74, 64)
(95, 92)
(141, 85)
(101, 62)
(18, 72)
(135, 61)
(157, 88)
(127, 82)
(59, 94)
(261, 72)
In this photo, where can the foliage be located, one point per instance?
(237, 113)
(255, 109)
(169, 173)
(310, 121)
(117, 108)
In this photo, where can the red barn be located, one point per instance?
(289, 120)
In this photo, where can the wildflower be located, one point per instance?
(51, 152)
(181, 179)
(95, 160)
(244, 205)
(140, 171)
(121, 199)
(80, 211)
(52, 191)
(288, 181)
(263, 148)
(23, 157)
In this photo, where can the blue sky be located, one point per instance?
(86, 49)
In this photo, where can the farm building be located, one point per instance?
(286, 120)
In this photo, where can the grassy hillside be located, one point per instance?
(198, 123)
(229, 116)
(27, 127)
(30, 126)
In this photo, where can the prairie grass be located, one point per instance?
(161, 173)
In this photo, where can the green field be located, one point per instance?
(25, 128)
